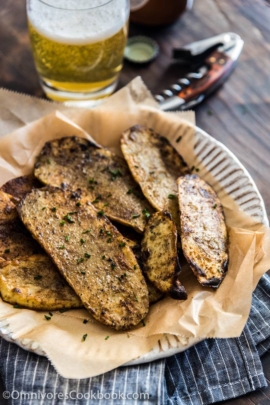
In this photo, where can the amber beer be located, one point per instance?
(78, 50)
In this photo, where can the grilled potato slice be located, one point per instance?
(7, 208)
(159, 251)
(90, 253)
(21, 258)
(156, 166)
(35, 283)
(20, 186)
(203, 230)
(103, 176)
(154, 294)
(15, 240)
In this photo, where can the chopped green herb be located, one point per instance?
(106, 204)
(129, 191)
(109, 240)
(151, 173)
(83, 273)
(113, 265)
(143, 323)
(78, 204)
(178, 139)
(53, 209)
(137, 167)
(48, 161)
(62, 223)
(16, 306)
(215, 206)
(7, 251)
(87, 231)
(63, 310)
(67, 237)
(47, 317)
(108, 233)
(80, 260)
(82, 241)
(85, 320)
(61, 247)
(136, 298)
(103, 257)
(38, 277)
(95, 201)
(68, 218)
(197, 169)
(135, 216)
(122, 244)
(135, 267)
(107, 337)
(171, 196)
(84, 337)
(100, 213)
(115, 173)
(50, 313)
(43, 208)
(101, 231)
(92, 181)
(87, 256)
(146, 213)
(109, 195)
(210, 112)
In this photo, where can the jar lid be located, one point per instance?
(141, 49)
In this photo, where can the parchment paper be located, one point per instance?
(206, 313)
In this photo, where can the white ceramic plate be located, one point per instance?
(237, 182)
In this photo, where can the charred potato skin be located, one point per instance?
(203, 229)
(20, 186)
(155, 165)
(72, 163)
(96, 261)
(159, 253)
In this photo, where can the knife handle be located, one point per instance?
(219, 67)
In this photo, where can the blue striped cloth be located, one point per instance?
(211, 371)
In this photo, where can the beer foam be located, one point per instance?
(73, 22)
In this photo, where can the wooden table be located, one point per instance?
(238, 114)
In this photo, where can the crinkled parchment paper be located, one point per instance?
(206, 313)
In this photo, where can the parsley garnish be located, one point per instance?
(103, 257)
(215, 206)
(113, 265)
(129, 191)
(135, 267)
(100, 213)
(47, 317)
(87, 231)
(53, 209)
(43, 208)
(68, 218)
(122, 244)
(84, 337)
(78, 204)
(135, 216)
(82, 241)
(61, 247)
(63, 310)
(83, 273)
(143, 323)
(67, 237)
(87, 256)
(16, 306)
(7, 251)
(115, 173)
(171, 196)
(62, 223)
(107, 337)
(178, 139)
(80, 260)
(109, 240)
(85, 320)
(146, 213)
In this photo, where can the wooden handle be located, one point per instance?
(220, 65)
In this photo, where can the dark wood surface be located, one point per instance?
(238, 114)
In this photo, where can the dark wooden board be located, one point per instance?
(238, 114)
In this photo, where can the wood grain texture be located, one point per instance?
(237, 114)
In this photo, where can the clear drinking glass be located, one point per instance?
(78, 46)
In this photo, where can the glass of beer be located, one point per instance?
(78, 46)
